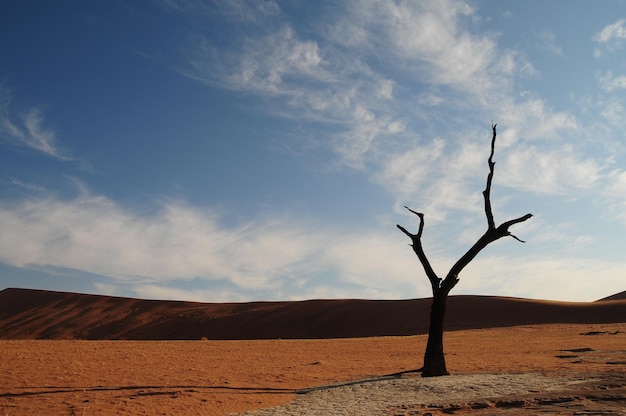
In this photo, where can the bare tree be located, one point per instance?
(434, 360)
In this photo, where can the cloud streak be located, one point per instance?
(95, 235)
(610, 37)
(609, 82)
(30, 131)
(261, 259)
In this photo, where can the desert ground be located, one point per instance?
(549, 369)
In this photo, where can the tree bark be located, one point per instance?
(434, 359)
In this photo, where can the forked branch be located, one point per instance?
(416, 240)
(492, 234)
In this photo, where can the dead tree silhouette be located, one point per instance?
(434, 360)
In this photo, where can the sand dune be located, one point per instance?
(39, 314)
(617, 296)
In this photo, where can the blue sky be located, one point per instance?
(260, 150)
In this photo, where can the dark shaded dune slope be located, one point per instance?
(617, 296)
(38, 314)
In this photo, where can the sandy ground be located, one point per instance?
(222, 377)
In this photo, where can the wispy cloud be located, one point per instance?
(548, 43)
(95, 235)
(30, 131)
(265, 258)
(502, 275)
(554, 172)
(609, 83)
(614, 32)
(377, 74)
(428, 35)
(610, 38)
(331, 78)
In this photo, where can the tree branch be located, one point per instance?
(416, 239)
(487, 192)
(492, 234)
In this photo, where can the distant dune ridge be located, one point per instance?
(617, 296)
(40, 314)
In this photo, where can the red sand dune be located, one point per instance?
(39, 314)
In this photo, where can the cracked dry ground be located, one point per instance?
(603, 395)
(600, 393)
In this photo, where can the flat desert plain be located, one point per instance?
(548, 369)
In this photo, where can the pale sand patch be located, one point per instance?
(377, 397)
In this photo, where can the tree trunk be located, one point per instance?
(434, 360)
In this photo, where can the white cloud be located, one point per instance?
(267, 258)
(612, 32)
(374, 67)
(320, 79)
(532, 120)
(613, 112)
(427, 34)
(610, 37)
(311, 83)
(437, 176)
(563, 234)
(430, 100)
(609, 83)
(273, 64)
(548, 43)
(618, 183)
(543, 277)
(406, 172)
(555, 171)
(95, 235)
(380, 262)
(615, 194)
(155, 291)
(30, 132)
